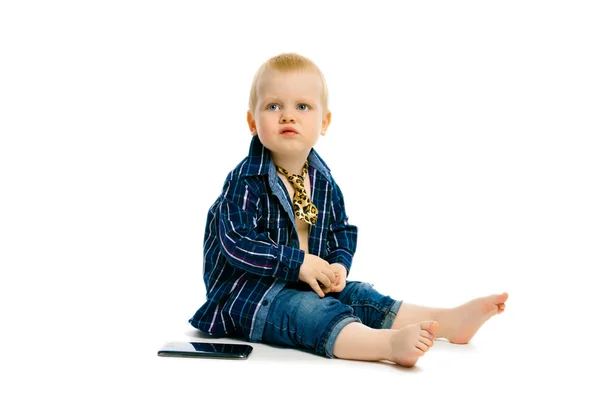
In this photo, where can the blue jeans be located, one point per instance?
(298, 317)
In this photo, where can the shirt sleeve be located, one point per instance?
(243, 246)
(342, 236)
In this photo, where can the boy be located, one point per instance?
(278, 246)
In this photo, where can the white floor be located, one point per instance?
(111, 353)
(509, 358)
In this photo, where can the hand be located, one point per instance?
(340, 273)
(315, 270)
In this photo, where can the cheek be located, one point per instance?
(266, 121)
(318, 122)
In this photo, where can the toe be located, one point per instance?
(427, 334)
(422, 346)
(501, 298)
(430, 326)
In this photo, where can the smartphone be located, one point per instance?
(205, 349)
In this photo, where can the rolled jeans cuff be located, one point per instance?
(388, 321)
(328, 348)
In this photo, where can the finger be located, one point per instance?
(315, 286)
(324, 279)
(426, 341)
(329, 273)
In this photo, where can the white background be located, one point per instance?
(475, 122)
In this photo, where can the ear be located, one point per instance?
(325, 123)
(251, 124)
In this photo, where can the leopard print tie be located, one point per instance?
(303, 207)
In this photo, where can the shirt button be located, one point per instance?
(285, 269)
(265, 303)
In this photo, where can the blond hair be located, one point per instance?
(288, 62)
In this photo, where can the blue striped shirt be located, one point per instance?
(251, 246)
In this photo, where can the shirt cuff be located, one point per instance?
(340, 256)
(290, 260)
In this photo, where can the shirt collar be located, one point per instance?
(259, 161)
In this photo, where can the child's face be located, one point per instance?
(289, 99)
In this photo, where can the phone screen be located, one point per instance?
(204, 349)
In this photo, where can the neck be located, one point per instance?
(292, 164)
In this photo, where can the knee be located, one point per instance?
(357, 289)
(324, 310)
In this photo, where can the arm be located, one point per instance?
(341, 237)
(246, 249)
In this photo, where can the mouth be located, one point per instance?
(288, 131)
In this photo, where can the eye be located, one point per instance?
(272, 105)
(305, 105)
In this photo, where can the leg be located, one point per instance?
(458, 324)
(404, 347)
(371, 339)
(329, 328)
(374, 309)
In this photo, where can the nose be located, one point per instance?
(285, 118)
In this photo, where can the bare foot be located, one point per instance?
(461, 323)
(411, 342)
